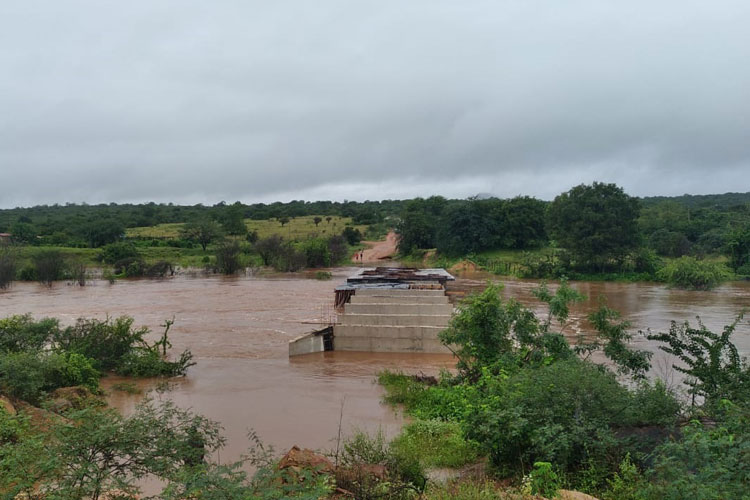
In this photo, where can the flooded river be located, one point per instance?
(238, 330)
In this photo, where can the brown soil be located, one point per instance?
(378, 250)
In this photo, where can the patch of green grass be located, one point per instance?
(436, 443)
(169, 230)
(472, 490)
(301, 228)
(85, 255)
(298, 228)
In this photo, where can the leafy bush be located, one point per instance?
(744, 270)
(403, 473)
(228, 257)
(688, 272)
(708, 463)
(114, 344)
(106, 342)
(141, 362)
(269, 248)
(11, 427)
(563, 413)
(543, 480)
(317, 253)
(49, 266)
(21, 333)
(118, 251)
(337, 249)
(352, 235)
(28, 375)
(289, 259)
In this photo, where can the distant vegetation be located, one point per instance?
(591, 231)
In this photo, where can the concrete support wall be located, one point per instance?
(306, 344)
(393, 320)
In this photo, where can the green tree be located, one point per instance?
(419, 223)
(233, 220)
(100, 232)
(522, 224)
(8, 265)
(467, 227)
(49, 266)
(317, 220)
(596, 224)
(269, 248)
(738, 248)
(228, 259)
(24, 232)
(352, 235)
(203, 231)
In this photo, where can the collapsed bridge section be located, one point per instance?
(386, 310)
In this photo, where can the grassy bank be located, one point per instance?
(297, 228)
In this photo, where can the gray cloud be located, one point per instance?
(193, 101)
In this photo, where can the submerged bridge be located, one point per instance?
(386, 310)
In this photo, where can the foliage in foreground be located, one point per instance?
(532, 401)
(94, 451)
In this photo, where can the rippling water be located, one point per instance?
(238, 329)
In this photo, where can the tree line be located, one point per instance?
(595, 228)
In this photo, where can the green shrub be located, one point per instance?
(141, 362)
(627, 483)
(744, 270)
(29, 376)
(49, 266)
(118, 251)
(691, 273)
(22, 376)
(708, 463)
(106, 342)
(562, 413)
(317, 253)
(404, 473)
(323, 275)
(21, 333)
(543, 480)
(228, 259)
(436, 443)
(289, 259)
(114, 344)
(352, 235)
(11, 427)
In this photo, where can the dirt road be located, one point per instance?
(378, 250)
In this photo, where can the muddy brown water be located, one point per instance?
(238, 330)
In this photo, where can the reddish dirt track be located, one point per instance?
(378, 250)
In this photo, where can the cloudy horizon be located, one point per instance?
(199, 102)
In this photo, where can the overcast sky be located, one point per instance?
(203, 101)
